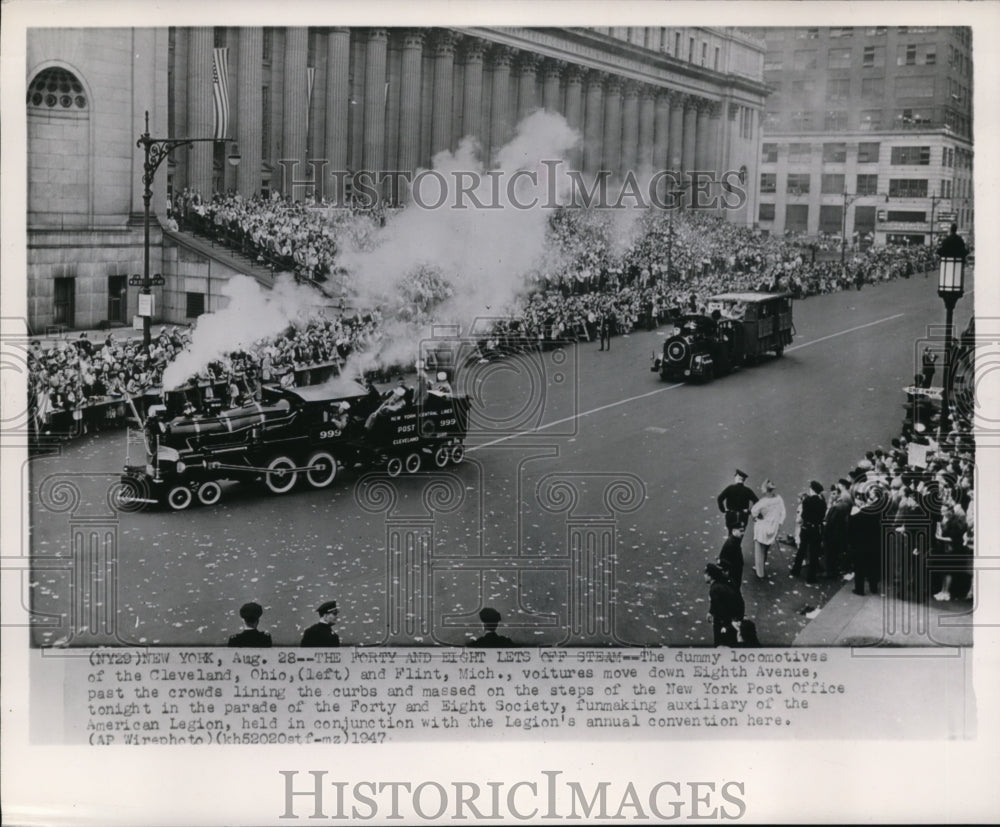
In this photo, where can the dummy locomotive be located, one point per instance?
(292, 436)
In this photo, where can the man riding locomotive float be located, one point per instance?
(739, 329)
(292, 432)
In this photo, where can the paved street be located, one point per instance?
(625, 468)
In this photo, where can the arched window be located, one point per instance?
(59, 144)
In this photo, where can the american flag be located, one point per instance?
(220, 91)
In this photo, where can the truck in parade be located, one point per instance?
(289, 436)
(737, 329)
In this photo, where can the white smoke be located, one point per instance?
(252, 313)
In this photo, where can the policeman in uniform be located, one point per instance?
(735, 501)
(491, 619)
(322, 634)
(250, 613)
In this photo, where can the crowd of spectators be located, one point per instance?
(601, 268)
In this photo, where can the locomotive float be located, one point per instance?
(292, 436)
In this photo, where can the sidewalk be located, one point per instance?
(873, 620)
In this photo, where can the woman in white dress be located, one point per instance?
(768, 513)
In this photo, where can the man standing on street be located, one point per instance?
(322, 634)
(735, 502)
(810, 538)
(731, 556)
(725, 606)
(953, 246)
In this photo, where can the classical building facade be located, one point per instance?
(868, 133)
(346, 99)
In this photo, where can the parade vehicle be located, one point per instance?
(292, 435)
(738, 330)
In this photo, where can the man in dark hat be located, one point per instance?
(735, 501)
(835, 531)
(322, 634)
(725, 606)
(251, 635)
(491, 619)
(731, 556)
(810, 537)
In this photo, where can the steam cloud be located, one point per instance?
(481, 257)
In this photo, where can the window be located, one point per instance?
(866, 184)
(842, 31)
(864, 219)
(839, 59)
(876, 31)
(868, 153)
(804, 59)
(807, 34)
(906, 55)
(769, 153)
(907, 187)
(677, 45)
(831, 184)
(831, 217)
(930, 56)
(915, 87)
(195, 305)
(913, 117)
(219, 37)
(768, 182)
(946, 157)
(773, 62)
(799, 153)
(716, 63)
(772, 120)
(798, 183)
(870, 119)
(690, 50)
(56, 90)
(766, 212)
(797, 217)
(838, 89)
(907, 216)
(913, 155)
(872, 88)
(802, 120)
(663, 39)
(704, 53)
(835, 120)
(835, 153)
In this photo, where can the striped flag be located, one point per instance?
(310, 79)
(220, 91)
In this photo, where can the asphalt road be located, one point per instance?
(585, 510)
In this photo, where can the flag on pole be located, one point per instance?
(220, 91)
(310, 79)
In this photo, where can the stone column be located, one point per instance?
(676, 145)
(714, 158)
(661, 131)
(338, 100)
(690, 143)
(552, 71)
(444, 69)
(593, 131)
(200, 108)
(409, 100)
(613, 126)
(526, 65)
(630, 128)
(249, 102)
(574, 112)
(472, 88)
(500, 58)
(293, 127)
(373, 143)
(647, 127)
(704, 138)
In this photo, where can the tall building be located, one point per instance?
(867, 133)
(305, 103)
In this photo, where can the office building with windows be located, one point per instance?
(867, 133)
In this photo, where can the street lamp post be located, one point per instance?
(155, 151)
(951, 287)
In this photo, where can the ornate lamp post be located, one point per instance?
(951, 287)
(155, 151)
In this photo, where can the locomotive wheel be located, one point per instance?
(394, 467)
(413, 463)
(322, 470)
(209, 493)
(281, 476)
(179, 497)
(442, 455)
(457, 453)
